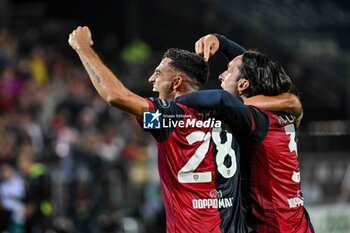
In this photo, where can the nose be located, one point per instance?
(151, 79)
(222, 76)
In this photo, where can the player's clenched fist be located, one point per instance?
(207, 46)
(80, 38)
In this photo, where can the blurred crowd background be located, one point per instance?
(70, 163)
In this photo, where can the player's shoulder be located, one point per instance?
(169, 107)
(164, 103)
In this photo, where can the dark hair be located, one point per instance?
(190, 63)
(266, 76)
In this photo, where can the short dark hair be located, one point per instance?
(190, 63)
(265, 75)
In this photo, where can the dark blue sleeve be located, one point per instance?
(247, 120)
(235, 112)
(209, 99)
(229, 48)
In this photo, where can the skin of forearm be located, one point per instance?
(285, 102)
(107, 84)
(101, 77)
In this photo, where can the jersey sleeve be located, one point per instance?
(245, 119)
(229, 48)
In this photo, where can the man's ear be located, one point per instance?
(177, 82)
(243, 84)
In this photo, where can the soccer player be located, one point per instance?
(198, 167)
(270, 171)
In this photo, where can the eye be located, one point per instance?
(230, 69)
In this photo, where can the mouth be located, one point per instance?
(154, 89)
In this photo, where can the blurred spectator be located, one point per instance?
(8, 47)
(11, 87)
(86, 187)
(38, 67)
(7, 141)
(38, 207)
(5, 216)
(83, 206)
(11, 195)
(112, 143)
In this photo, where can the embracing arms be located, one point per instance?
(285, 102)
(105, 82)
(208, 45)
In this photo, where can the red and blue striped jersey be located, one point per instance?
(271, 177)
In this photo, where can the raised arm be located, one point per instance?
(229, 48)
(208, 45)
(105, 82)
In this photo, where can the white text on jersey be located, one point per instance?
(212, 203)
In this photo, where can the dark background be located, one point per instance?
(310, 38)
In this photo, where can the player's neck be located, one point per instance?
(184, 92)
(167, 95)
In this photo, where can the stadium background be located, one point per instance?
(102, 166)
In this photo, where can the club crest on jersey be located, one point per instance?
(151, 120)
(163, 103)
(215, 194)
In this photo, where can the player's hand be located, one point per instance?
(207, 46)
(80, 38)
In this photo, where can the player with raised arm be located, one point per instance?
(271, 177)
